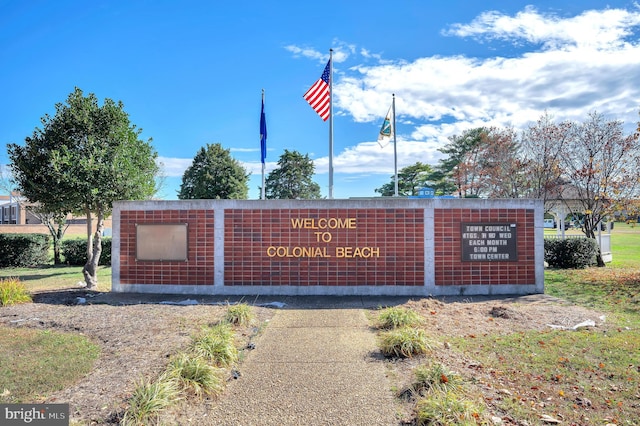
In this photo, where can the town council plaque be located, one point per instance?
(489, 242)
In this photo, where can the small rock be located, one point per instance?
(496, 420)
(548, 419)
(504, 392)
(584, 402)
(251, 345)
(583, 324)
(235, 374)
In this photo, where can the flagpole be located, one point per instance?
(330, 123)
(395, 145)
(262, 191)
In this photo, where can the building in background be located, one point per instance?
(16, 218)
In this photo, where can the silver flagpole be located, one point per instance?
(262, 192)
(395, 145)
(330, 123)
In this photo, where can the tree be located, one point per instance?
(56, 223)
(83, 159)
(501, 168)
(460, 170)
(602, 169)
(214, 174)
(543, 147)
(293, 178)
(410, 180)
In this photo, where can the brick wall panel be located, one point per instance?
(398, 235)
(198, 269)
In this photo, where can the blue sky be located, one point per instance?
(191, 73)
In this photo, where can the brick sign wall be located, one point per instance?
(327, 247)
(367, 247)
(473, 227)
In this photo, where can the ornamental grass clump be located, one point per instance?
(149, 399)
(216, 344)
(397, 317)
(240, 314)
(435, 378)
(448, 409)
(13, 292)
(404, 342)
(195, 375)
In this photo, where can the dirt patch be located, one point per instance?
(139, 333)
(475, 318)
(137, 336)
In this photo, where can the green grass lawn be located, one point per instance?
(614, 288)
(34, 363)
(580, 375)
(56, 277)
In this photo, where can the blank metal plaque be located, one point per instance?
(167, 241)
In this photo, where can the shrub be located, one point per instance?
(216, 344)
(403, 342)
(196, 375)
(396, 317)
(12, 292)
(570, 253)
(447, 408)
(239, 314)
(24, 250)
(75, 252)
(149, 399)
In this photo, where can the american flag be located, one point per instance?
(319, 96)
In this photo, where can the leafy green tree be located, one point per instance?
(83, 159)
(410, 180)
(214, 174)
(293, 178)
(57, 225)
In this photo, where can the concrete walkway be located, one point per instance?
(310, 367)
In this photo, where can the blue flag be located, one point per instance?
(263, 134)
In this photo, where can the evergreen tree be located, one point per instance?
(293, 178)
(410, 180)
(214, 174)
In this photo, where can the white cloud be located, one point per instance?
(307, 52)
(599, 29)
(174, 167)
(341, 52)
(575, 72)
(367, 158)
